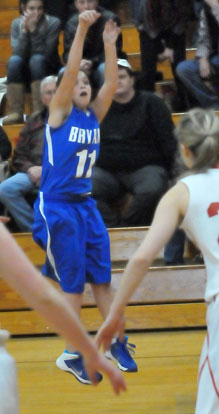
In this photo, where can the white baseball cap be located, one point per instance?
(124, 63)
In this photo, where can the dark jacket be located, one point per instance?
(137, 134)
(93, 46)
(29, 148)
(5, 145)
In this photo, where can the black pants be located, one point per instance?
(150, 48)
(146, 185)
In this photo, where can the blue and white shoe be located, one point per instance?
(73, 363)
(121, 353)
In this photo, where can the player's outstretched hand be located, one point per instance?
(98, 362)
(111, 32)
(87, 18)
(112, 325)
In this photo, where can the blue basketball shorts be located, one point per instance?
(76, 242)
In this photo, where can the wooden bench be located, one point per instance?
(169, 297)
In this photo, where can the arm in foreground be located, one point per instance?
(51, 304)
(167, 217)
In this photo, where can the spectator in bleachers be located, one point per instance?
(34, 40)
(93, 52)
(162, 31)
(199, 74)
(137, 153)
(26, 162)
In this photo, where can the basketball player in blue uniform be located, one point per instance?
(67, 223)
(192, 204)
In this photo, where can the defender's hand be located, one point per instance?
(112, 325)
(97, 362)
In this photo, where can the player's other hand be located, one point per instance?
(111, 32)
(97, 362)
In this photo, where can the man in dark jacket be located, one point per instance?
(93, 53)
(26, 162)
(137, 153)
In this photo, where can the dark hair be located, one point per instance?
(61, 73)
(23, 3)
(129, 71)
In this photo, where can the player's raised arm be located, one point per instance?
(61, 104)
(105, 95)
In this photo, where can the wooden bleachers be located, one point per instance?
(169, 297)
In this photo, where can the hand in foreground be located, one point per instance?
(112, 325)
(111, 32)
(98, 362)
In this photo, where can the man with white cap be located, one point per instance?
(137, 153)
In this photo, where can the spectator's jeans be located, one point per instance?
(146, 185)
(21, 70)
(188, 72)
(12, 196)
(174, 249)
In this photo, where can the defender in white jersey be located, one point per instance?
(67, 223)
(193, 204)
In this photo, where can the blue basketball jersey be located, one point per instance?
(70, 152)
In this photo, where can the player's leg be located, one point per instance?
(59, 230)
(9, 403)
(71, 360)
(98, 267)
(208, 381)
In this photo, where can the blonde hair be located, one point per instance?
(198, 129)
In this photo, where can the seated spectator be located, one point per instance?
(93, 52)
(26, 162)
(162, 31)
(137, 152)
(34, 41)
(195, 72)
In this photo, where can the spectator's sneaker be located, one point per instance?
(121, 352)
(73, 363)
